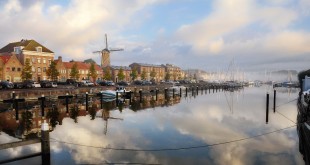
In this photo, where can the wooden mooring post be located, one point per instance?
(156, 94)
(186, 92)
(274, 100)
(14, 101)
(45, 147)
(267, 107)
(101, 99)
(86, 100)
(42, 99)
(66, 97)
(140, 94)
(45, 144)
(180, 92)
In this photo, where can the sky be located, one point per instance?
(258, 35)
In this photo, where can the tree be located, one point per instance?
(74, 74)
(120, 74)
(134, 74)
(175, 76)
(26, 120)
(52, 71)
(153, 74)
(143, 75)
(26, 72)
(167, 76)
(92, 72)
(53, 116)
(107, 73)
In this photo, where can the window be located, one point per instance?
(39, 49)
(44, 61)
(49, 62)
(33, 69)
(44, 69)
(39, 69)
(39, 60)
(18, 69)
(33, 60)
(13, 69)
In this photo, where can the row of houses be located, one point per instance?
(13, 57)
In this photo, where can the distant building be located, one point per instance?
(148, 68)
(10, 68)
(174, 71)
(39, 56)
(64, 69)
(115, 70)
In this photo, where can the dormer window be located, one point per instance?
(39, 49)
(17, 50)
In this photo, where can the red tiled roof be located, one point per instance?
(5, 58)
(80, 65)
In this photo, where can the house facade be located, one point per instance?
(148, 69)
(115, 70)
(39, 56)
(174, 71)
(64, 69)
(10, 68)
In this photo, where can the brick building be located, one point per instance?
(115, 70)
(39, 56)
(148, 68)
(10, 68)
(64, 69)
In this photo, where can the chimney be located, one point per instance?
(59, 58)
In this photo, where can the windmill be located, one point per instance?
(105, 53)
(106, 117)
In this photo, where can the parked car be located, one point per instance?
(18, 85)
(45, 84)
(54, 84)
(123, 83)
(103, 83)
(71, 81)
(110, 83)
(87, 83)
(138, 82)
(36, 84)
(145, 82)
(27, 83)
(7, 85)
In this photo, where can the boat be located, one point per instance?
(177, 87)
(108, 93)
(121, 90)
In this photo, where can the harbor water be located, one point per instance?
(208, 127)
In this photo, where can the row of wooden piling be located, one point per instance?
(267, 104)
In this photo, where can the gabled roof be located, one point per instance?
(119, 67)
(147, 65)
(80, 65)
(5, 58)
(29, 45)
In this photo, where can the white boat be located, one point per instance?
(108, 93)
(177, 87)
(120, 89)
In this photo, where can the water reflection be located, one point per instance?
(175, 123)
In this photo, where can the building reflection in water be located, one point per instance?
(30, 117)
